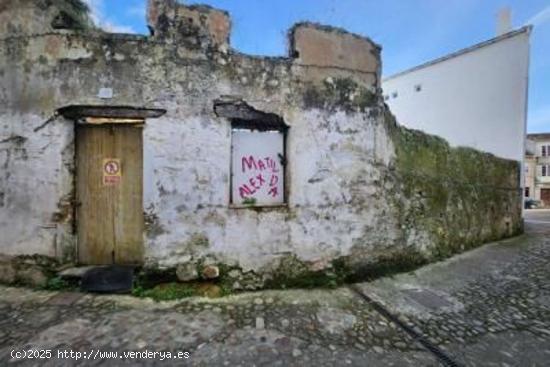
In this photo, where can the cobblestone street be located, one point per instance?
(487, 307)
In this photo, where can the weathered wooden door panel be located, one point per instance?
(110, 215)
(545, 196)
(128, 204)
(95, 218)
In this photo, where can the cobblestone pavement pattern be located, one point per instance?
(488, 307)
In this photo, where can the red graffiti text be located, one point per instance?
(264, 175)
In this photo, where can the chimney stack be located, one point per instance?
(504, 21)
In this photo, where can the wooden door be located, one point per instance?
(545, 196)
(109, 181)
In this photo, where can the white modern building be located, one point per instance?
(475, 97)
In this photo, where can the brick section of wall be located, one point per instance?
(196, 26)
(316, 45)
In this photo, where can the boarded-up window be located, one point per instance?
(257, 167)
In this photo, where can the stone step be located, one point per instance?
(75, 273)
(108, 279)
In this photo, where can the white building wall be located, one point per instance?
(477, 98)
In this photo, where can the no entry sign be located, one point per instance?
(112, 173)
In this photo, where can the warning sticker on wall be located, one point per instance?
(112, 174)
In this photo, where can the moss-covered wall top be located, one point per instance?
(459, 196)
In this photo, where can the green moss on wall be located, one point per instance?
(73, 14)
(294, 273)
(458, 197)
(359, 267)
(339, 93)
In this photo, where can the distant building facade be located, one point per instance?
(537, 168)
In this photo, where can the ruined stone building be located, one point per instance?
(174, 149)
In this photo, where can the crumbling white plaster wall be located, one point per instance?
(36, 184)
(335, 164)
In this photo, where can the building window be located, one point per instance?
(394, 95)
(418, 88)
(258, 158)
(543, 148)
(545, 170)
(526, 192)
(257, 166)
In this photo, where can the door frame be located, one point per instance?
(136, 251)
(546, 190)
(98, 115)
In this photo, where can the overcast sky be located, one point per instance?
(410, 31)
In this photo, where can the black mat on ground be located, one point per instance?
(108, 279)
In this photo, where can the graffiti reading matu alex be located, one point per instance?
(262, 174)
